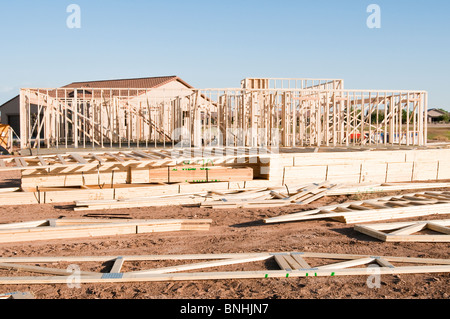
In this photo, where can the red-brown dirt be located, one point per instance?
(232, 231)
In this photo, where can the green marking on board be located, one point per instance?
(332, 274)
(315, 274)
(266, 276)
(307, 275)
(287, 275)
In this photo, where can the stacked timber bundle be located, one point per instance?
(75, 228)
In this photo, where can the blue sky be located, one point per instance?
(218, 43)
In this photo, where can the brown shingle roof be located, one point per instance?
(88, 87)
(138, 83)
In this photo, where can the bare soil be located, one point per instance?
(232, 231)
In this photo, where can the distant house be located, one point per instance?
(10, 111)
(435, 115)
(10, 114)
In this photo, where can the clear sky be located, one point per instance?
(218, 43)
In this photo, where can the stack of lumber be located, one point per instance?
(75, 228)
(137, 166)
(392, 207)
(194, 199)
(236, 198)
(408, 231)
(130, 175)
(269, 197)
(361, 166)
(290, 265)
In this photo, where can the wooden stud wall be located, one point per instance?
(316, 114)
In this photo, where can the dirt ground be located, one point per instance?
(232, 231)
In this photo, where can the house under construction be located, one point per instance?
(262, 112)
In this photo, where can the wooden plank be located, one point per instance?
(383, 262)
(228, 261)
(61, 159)
(42, 161)
(42, 270)
(117, 266)
(117, 158)
(370, 232)
(438, 228)
(370, 189)
(282, 262)
(355, 214)
(31, 231)
(259, 274)
(97, 158)
(405, 229)
(78, 158)
(347, 264)
(409, 229)
(300, 260)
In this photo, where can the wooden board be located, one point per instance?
(391, 207)
(76, 228)
(290, 265)
(408, 231)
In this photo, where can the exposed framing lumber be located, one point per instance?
(289, 267)
(404, 231)
(308, 112)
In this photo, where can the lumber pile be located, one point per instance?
(290, 265)
(76, 228)
(391, 207)
(269, 197)
(147, 166)
(235, 198)
(408, 231)
(360, 166)
(111, 177)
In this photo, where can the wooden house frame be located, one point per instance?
(313, 113)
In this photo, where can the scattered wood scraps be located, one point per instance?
(231, 198)
(392, 207)
(269, 197)
(287, 265)
(408, 231)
